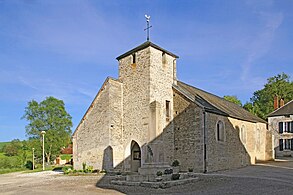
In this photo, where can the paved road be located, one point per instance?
(264, 178)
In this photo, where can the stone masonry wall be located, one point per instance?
(161, 81)
(147, 84)
(234, 152)
(227, 154)
(188, 140)
(92, 139)
(135, 78)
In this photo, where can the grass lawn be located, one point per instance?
(2, 171)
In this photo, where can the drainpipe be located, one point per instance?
(204, 143)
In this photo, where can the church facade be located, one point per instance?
(148, 118)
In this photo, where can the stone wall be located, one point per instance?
(188, 140)
(93, 142)
(234, 152)
(147, 84)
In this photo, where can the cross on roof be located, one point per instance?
(148, 26)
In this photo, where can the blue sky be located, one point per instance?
(66, 48)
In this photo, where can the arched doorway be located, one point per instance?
(135, 156)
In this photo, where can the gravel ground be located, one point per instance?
(264, 178)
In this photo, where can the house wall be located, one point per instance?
(274, 129)
(98, 134)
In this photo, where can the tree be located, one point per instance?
(233, 99)
(12, 148)
(262, 102)
(50, 116)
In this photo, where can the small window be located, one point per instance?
(164, 56)
(168, 110)
(133, 58)
(220, 131)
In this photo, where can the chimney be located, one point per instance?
(276, 102)
(281, 102)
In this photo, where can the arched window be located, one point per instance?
(243, 134)
(220, 131)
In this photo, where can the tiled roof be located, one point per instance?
(215, 104)
(287, 109)
(144, 45)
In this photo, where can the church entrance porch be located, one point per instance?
(135, 162)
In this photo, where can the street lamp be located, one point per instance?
(43, 134)
(33, 158)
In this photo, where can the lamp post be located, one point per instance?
(33, 158)
(43, 134)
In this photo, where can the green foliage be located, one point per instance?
(10, 170)
(83, 166)
(67, 169)
(50, 116)
(233, 99)
(12, 148)
(9, 162)
(175, 163)
(2, 144)
(29, 165)
(89, 169)
(175, 176)
(159, 173)
(262, 102)
(66, 156)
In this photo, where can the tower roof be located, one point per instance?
(144, 45)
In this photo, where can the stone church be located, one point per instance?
(147, 118)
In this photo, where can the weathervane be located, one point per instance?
(148, 26)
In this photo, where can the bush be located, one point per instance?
(10, 162)
(29, 165)
(175, 163)
(89, 169)
(168, 171)
(67, 170)
(175, 176)
(159, 173)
